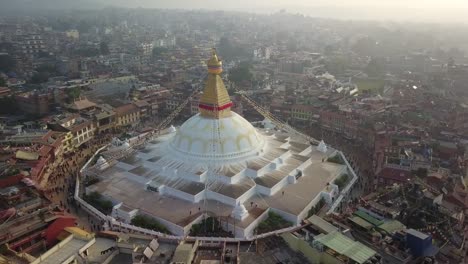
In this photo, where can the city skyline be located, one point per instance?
(451, 11)
(254, 135)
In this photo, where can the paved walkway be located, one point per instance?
(59, 183)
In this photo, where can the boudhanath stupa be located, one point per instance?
(218, 164)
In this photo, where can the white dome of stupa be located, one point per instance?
(216, 134)
(217, 140)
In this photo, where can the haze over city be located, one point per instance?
(449, 11)
(234, 132)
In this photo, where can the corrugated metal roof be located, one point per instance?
(392, 226)
(368, 218)
(347, 247)
(79, 232)
(24, 155)
(361, 222)
(322, 224)
(182, 254)
(417, 234)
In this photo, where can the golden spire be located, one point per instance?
(215, 101)
(215, 66)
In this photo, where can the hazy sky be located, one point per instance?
(273, 3)
(400, 10)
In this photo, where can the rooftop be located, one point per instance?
(346, 246)
(125, 109)
(68, 248)
(322, 224)
(82, 104)
(182, 253)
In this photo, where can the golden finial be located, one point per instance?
(215, 66)
(215, 101)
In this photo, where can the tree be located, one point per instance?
(365, 46)
(7, 63)
(273, 222)
(96, 200)
(229, 51)
(342, 181)
(315, 209)
(104, 48)
(336, 65)
(225, 47)
(40, 77)
(87, 52)
(241, 73)
(8, 105)
(148, 223)
(420, 173)
(158, 51)
(375, 67)
(292, 45)
(4, 249)
(43, 54)
(336, 159)
(210, 227)
(73, 93)
(328, 50)
(83, 26)
(50, 68)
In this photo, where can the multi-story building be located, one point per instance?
(145, 49)
(173, 102)
(81, 105)
(144, 107)
(280, 110)
(104, 118)
(165, 42)
(83, 130)
(128, 114)
(302, 113)
(72, 34)
(54, 141)
(78, 130)
(31, 44)
(333, 120)
(322, 242)
(35, 102)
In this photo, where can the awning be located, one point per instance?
(24, 155)
(347, 247)
(361, 222)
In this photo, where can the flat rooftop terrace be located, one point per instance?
(125, 182)
(297, 196)
(70, 248)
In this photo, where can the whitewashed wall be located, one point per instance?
(179, 194)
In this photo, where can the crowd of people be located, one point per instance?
(61, 181)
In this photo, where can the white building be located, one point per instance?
(218, 164)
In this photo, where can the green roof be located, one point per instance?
(182, 253)
(346, 246)
(322, 224)
(370, 84)
(368, 218)
(392, 226)
(361, 222)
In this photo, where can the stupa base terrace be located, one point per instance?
(287, 176)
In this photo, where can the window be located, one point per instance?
(152, 188)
